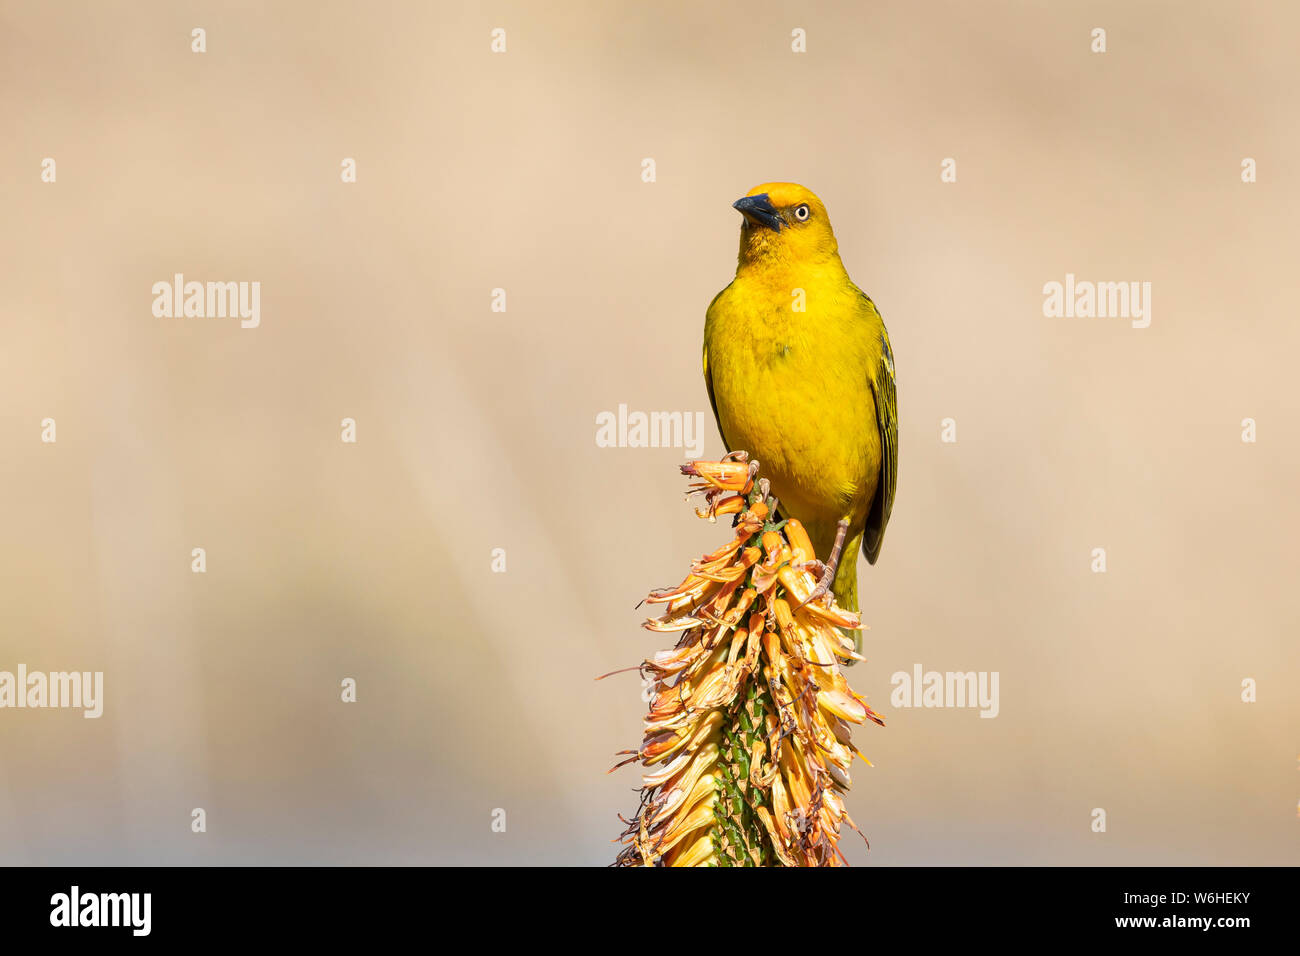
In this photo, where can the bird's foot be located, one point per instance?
(753, 473)
(738, 455)
(765, 495)
(819, 569)
(823, 584)
(829, 568)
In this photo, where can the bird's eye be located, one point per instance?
(802, 212)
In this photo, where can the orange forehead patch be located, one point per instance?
(785, 194)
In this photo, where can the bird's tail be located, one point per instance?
(845, 585)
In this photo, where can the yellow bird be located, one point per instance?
(801, 376)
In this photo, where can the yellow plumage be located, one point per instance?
(810, 394)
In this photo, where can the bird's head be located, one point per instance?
(784, 224)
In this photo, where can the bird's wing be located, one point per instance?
(885, 393)
(708, 376)
(708, 384)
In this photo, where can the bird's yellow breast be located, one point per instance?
(793, 389)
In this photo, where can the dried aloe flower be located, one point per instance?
(747, 741)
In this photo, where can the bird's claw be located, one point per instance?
(817, 567)
(823, 586)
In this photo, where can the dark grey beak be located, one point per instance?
(759, 211)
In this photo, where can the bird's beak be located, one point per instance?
(759, 211)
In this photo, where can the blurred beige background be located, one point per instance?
(476, 429)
